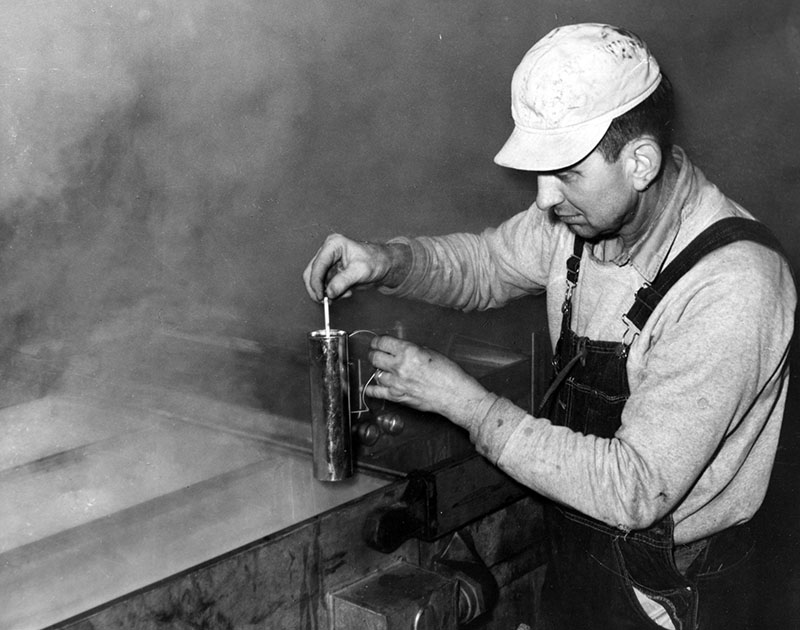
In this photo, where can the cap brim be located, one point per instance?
(550, 150)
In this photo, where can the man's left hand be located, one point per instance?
(423, 379)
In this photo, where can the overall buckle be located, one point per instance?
(631, 333)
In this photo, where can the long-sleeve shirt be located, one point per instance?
(707, 374)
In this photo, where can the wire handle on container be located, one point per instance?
(362, 402)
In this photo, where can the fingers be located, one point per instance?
(392, 346)
(384, 393)
(321, 267)
(340, 282)
(312, 282)
(384, 357)
(381, 386)
(340, 265)
(385, 363)
(390, 380)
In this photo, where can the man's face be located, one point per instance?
(594, 198)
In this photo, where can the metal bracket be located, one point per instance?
(413, 516)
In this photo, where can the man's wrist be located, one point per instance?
(472, 419)
(399, 260)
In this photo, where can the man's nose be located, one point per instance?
(548, 192)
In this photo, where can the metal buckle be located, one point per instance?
(631, 333)
(568, 296)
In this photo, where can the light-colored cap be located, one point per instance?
(568, 88)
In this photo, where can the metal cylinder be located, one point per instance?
(330, 405)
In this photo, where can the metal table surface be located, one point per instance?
(153, 457)
(99, 499)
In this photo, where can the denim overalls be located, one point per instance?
(593, 566)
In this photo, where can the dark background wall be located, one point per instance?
(174, 164)
(180, 161)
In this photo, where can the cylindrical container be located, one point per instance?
(330, 405)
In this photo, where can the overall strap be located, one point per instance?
(719, 234)
(560, 372)
(573, 269)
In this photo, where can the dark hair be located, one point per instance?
(653, 116)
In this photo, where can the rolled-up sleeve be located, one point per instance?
(480, 271)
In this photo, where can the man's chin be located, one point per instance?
(581, 229)
(588, 233)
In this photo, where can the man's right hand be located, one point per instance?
(342, 264)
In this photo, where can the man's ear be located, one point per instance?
(643, 155)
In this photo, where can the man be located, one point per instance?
(657, 438)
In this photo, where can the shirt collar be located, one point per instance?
(647, 256)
